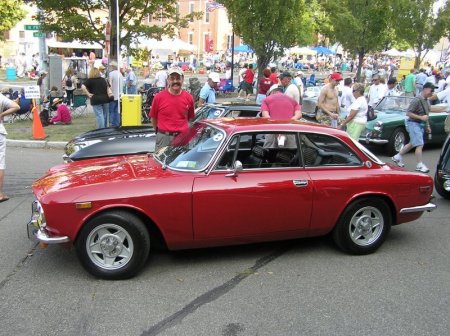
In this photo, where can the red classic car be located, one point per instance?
(222, 182)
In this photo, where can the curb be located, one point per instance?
(36, 144)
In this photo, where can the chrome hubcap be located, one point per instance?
(109, 246)
(366, 226)
(399, 141)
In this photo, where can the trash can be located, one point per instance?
(131, 110)
(10, 73)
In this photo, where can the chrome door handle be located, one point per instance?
(300, 183)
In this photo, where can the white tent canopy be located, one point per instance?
(73, 45)
(174, 44)
(302, 51)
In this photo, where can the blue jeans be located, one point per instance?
(131, 89)
(101, 114)
(114, 119)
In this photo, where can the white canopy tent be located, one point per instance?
(173, 44)
(73, 45)
(302, 51)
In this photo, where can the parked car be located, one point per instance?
(224, 182)
(388, 128)
(309, 102)
(141, 139)
(442, 176)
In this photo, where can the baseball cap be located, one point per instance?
(214, 76)
(299, 73)
(336, 76)
(274, 87)
(284, 74)
(176, 70)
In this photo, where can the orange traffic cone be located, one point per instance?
(38, 130)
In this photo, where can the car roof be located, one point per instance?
(265, 124)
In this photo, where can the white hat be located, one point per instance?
(176, 70)
(273, 88)
(299, 73)
(214, 76)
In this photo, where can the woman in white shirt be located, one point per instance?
(357, 118)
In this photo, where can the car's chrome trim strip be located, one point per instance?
(427, 207)
(45, 238)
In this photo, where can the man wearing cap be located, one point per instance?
(131, 81)
(208, 91)
(62, 116)
(116, 82)
(171, 109)
(417, 123)
(328, 102)
(290, 89)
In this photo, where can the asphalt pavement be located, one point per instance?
(299, 287)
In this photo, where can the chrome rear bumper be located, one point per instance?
(427, 207)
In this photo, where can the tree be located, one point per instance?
(420, 25)
(269, 27)
(11, 12)
(85, 20)
(361, 26)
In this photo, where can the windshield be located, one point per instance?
(394, 104)
(192, 149)
(208, 112)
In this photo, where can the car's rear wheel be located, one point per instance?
(439, 188)
(363, 226)
(397, 140)
(114, 245)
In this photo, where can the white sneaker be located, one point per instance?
(398, 160)
(422, 168)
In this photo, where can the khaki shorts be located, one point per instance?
(162, 140)
(323, 118)
(2, 151)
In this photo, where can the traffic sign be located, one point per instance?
(32, 92)
(38, 34)
(32, 27)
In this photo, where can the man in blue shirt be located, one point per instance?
(421, 79)
(131, 81)
(208, 91)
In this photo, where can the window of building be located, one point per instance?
(191, 38)
(229, 41)
(21, 34)
(191, 9)
(149, 18)
(206, 14)
(6, 35)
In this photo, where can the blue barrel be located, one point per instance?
(344, 66)
(10, 73)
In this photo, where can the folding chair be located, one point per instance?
(79, 108)
(25, 110)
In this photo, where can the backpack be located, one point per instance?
(69, 82)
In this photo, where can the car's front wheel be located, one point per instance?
(363, 226)
(113, 245)
(397, 140)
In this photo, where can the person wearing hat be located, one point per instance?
(131, 81)
(7, 107)
(278, 106)
(417, 123)
(171, 109)
(290, 89)
(62, 116)
(208, 91)
(115, 79)
(328, 102)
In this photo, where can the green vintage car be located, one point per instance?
(388, 128)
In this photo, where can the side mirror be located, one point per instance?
(236, 168)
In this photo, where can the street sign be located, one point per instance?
(32, 92)
(32, 27)
(38, 34)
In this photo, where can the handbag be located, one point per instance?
(109, 91)
(370, 113)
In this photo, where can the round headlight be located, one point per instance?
(447, 185)
(378, 126)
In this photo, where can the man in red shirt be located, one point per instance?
(171, 109)
(249, 77)
(273, 76)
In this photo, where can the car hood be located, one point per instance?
(99, 171)
(385, 118)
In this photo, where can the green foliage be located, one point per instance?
(81, 19)
(269, 27)
(361, 26)
(419, 25)
(11, 12)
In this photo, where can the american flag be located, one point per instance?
(212, 5)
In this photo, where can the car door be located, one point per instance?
(437, 120)
(267, 199)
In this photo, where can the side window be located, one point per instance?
(323, 150)
(261, 151)
(243, 113)
(208, 112)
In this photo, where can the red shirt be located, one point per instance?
(264, 85)
(280, 106)
(172, 112)
(274, 78)
(249, 76)
(62, 115)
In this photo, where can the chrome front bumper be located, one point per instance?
(36, 227)
(427, 207)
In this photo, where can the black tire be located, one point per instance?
(363, 226)
(119, 235)
(397, 140)
(439, 188)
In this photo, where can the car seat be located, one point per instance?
(257, 158)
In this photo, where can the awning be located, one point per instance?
(73, 45)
